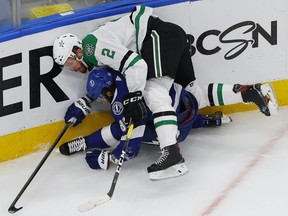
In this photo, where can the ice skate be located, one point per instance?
(169, 165)
(217, 119)
(73, 146)
(260, 94)
(152, 142)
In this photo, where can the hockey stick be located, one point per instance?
(100, 200)
(12, 208)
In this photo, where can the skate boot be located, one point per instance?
(73, 146)
(260, 94)
(216, 120)
(169, 165)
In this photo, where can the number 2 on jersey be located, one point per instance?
(107, 52)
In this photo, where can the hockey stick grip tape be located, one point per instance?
(130, 130)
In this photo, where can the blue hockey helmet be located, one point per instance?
(97, 80)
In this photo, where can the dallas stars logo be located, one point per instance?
(61, 43)
(89, 49)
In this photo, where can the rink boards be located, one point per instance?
(232, 42)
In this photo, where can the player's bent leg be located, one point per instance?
(169, 165)
(73, 146)
(198, 93)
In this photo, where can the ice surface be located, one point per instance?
(235, 170)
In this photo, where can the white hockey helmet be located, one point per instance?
(62, 48)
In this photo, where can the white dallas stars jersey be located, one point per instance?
(117, 45)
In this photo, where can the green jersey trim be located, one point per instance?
(89, 47)
(165, 122)
(219, 94)
(134, 61)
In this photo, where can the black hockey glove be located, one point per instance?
(134, 108)
(78, 110)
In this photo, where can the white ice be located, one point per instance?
(240, 169)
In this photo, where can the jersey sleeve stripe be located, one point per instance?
(134, 61)
(125, 58)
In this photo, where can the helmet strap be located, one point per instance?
(81, 60)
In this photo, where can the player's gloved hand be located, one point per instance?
(79, 110)
(98, 159)
(134, 108)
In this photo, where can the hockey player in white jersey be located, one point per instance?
(151, 54)
(105, 145)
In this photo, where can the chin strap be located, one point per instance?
(81, 60)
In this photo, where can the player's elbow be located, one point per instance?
(136, 76)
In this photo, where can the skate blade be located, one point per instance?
(225, 119)
(269, 93)
(171, 172)
(152, 142)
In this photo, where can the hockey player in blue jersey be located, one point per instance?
(105, 145)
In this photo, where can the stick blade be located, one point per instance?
(93, 203)
(12, 209)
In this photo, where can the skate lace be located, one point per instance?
(163, 157)
(77, 145)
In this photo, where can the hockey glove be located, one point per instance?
(79, 110)
(134, 108)
(97, 159)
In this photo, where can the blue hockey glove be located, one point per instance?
(79, 110)
(134, 108)
(97, 159)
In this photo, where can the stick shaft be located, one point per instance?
(100, 200)
(121, 160)
(12, 208)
